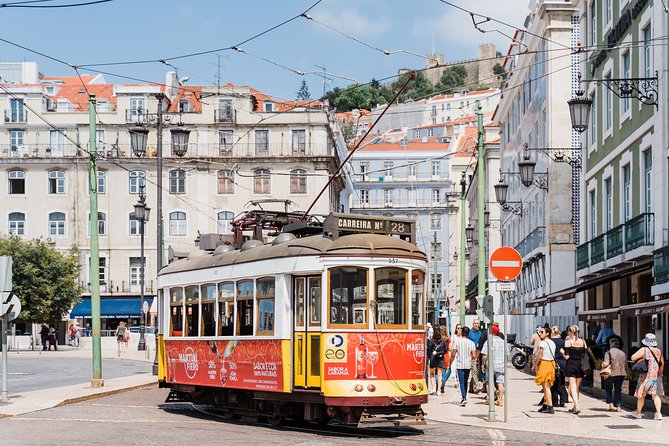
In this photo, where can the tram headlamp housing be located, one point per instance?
(358, 388)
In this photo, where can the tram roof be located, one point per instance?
(350, 245)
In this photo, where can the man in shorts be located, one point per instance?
(497, 362)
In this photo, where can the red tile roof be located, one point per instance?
(390, 147)
(78, 95)
(192, 95)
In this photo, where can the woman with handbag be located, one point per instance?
(574, 352)
(614, 370)
(649, 362)
(437, 361)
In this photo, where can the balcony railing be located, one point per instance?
(137, 116)
(534, 240)
(14, 117)
(614, 241)
(639, 231)
(597, 249)
(374, 204)
(661, 265)
(583, 256)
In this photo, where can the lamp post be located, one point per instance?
(463, 247)
(142, 216)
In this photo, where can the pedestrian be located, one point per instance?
(613, 384)
(431, 363)
(534, 342)
(73, 335)
(558, 390)
(544, 366)
(44, 335)
(498, 363)
(650, 383)
(475, 335)
(120, 334)
(437, 361)
(602, 339)
(428, 330)
(88, 330)
(53, 341)
(574, 351)
(463, 351)
(447, 357)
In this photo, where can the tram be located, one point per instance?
(324, 323)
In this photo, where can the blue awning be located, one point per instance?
(116, 308)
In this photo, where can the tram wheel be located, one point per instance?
(227, 413)
(275, 420)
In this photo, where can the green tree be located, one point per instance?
(358, 96)
(303, 93)
(416, 89)
(348, 132)
(452, 80)
(45, 280)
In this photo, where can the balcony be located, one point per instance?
(136, 116)
(534, 240)
(16, 116)
(384, 204)
(224, 115)
(583, 256)
(639, 232)
(614, 241)
(661, 265)
(597, 249)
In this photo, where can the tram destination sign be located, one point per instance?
(341, 224)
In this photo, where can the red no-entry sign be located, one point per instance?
(505, 263)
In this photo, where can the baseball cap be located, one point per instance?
(538, 326)
(495, 330)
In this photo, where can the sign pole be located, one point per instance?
(505, 303)
(5, 396)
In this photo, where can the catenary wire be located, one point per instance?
(70, 5)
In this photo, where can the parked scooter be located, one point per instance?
(520, 354)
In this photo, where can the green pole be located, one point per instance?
(97, 380)
(463, 245)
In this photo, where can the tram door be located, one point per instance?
(307, 346)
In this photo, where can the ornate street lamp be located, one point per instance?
(526, 168)
(579, 110)
(138, 139)
(179, 141)
(469, 231)
(141, 214)
(501, 191)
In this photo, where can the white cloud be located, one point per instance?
(352, 22)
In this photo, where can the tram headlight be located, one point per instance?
(413, 387)
(371, 387)
(359, 388)
(420, 386)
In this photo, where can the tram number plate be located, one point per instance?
(393, 260)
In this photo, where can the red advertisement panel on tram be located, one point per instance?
(251, 365)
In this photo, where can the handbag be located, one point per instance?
(606, 371)
(641, 366)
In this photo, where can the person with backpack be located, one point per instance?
(650, 382)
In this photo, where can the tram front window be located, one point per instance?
(245, 308)
(348, 296)
(192, 310)
(391, 297)
(417, 287)
(266, 294)
(226, 308)
(208, 310)
(176, 311)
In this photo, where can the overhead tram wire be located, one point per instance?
(71, 5)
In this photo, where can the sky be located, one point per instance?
(135, 30)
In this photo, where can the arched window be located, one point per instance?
(261, 181)
(57, 182)
(56, 223)
(177, 181)
(226, 181)
(102, 182)
(17, 223)
(298, 181)
(225, 222)
(17, 182)
(133, 224)
(177, 223)
(136, 179)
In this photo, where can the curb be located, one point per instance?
(93, 396)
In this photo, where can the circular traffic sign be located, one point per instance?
(505, 263)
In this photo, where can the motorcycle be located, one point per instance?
(522, 355)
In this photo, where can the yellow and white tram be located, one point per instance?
(325, 327)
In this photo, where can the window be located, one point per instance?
(56, 182)
(298, 181)
(647, 47)
(261, 181)
(608, 122)
(364, 171)
(391, 296)
(17, 223)
(17, 112)
(208, 293)
(593, 214)
(266, 291)
(609, 10)
(448, 106)
(177, 181)
(412, 171)
(224, 220)
(593, 23)
(192, 310)
(226, 112)
(17, 182)
(436, 170)
(245, 308)
(648, 180)
(226, 181)
(593, 119)
(412, 196)
(133, 224)
(269, 106)
(102, 271)
(226, 309)
(626, 64)
(176, 311)
(102, 182)
(262, 142)
(137, 110)
(225, 141)
(348, 296)
(435, 221)
(299, 141)
(388, 170)
(177, 223)
(388, 196)
(102, 223)
(135, 271)
(136, 180)
(417, 286)
(185, 106)
(608, 194)
(100, 139)
(56, 143)
(437, 251)
(314, 285)
(627, 193)
(15, 139)
(364, 197)
(436, 196)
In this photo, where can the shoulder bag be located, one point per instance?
(641, 366)
(606, 371)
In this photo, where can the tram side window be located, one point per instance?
(266, 293)
(226, 309)
(314, 301)
(391, 298)
(299, 301)
(348, 296)
(176, 311)
(208, 310)
(417, 289)
(245, 308)
(192, 310)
